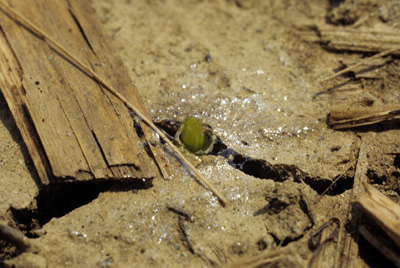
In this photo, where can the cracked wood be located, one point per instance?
(73, 128)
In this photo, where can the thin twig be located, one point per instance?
(185, 234)
(330, 186)
(379, 55)
(20, 18)
(180, 212)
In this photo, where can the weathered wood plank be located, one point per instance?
(84, 131)
(10, 79)
(91, 27)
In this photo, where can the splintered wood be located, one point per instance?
(74, 129)
(383, 211)
(386, 214)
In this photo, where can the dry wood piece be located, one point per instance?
(359, 40)
(382, 210)
(73, 129)
(111, 96)
(344, 116)
(352, 39)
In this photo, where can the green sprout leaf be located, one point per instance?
(192, 135)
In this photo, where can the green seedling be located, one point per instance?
(192, 134)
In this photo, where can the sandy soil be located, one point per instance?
(245, 68)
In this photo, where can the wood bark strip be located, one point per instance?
(76, 129)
